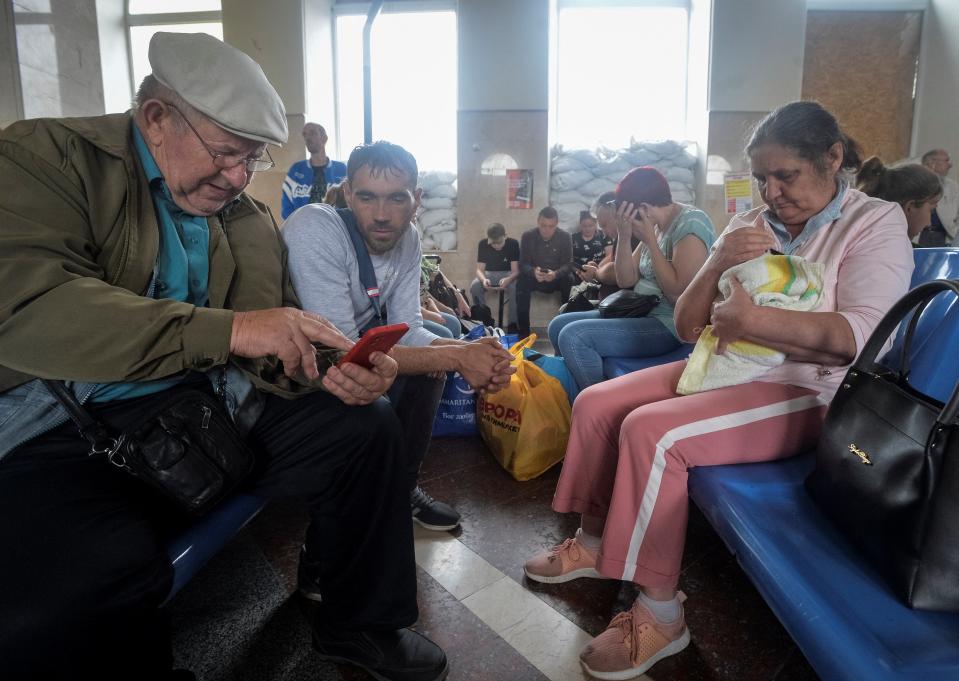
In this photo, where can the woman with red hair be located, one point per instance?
(674, 241)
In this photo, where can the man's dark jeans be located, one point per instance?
(415, 400)
(524, 291)
(84, 569)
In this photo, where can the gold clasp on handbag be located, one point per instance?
(861, 454)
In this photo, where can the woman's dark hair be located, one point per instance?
(586, 215)
(809, 130)
(603, 199)
(900, 184)
(644, 185)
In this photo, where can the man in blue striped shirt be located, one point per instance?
(309, 179)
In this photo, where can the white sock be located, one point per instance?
(664, 611)
(591, 543)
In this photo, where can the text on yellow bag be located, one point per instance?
(525, 425)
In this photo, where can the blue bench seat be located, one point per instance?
(620, 366)
(840, 612)
(848, 624)
(191, 549)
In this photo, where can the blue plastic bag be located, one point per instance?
(509, 340)
(456, 415)
(555, 367)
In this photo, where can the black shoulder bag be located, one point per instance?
(887, 468)
(626, 303)
(188, 449)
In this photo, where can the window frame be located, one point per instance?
(555, 47)
(161, 19)
(362, 9)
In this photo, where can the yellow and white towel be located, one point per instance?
(784, 281)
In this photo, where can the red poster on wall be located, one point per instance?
(519, 189)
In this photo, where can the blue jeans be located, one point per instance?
(446, 329)
(559, 322)
(587, 339)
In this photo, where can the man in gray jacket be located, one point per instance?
(325, 269)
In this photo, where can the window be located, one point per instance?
(413, 84)
(620, 72)
(146, 17)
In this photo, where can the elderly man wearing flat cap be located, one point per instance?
(132, 263)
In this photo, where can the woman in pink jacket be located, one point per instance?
(633, 438)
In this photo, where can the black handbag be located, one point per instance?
(627, 303)
(188, 449)
(578, 302)
(887, 468)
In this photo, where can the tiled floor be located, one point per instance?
(493, 624)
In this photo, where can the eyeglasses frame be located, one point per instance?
(216, 156)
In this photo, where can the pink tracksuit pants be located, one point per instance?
(632, 441)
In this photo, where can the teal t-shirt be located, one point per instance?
(690, 222)
(182, 269)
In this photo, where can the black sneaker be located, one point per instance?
(307, 583)
(401, 655)
(430, 513)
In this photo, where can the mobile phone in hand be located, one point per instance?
(379, 338)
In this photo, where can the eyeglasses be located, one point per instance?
(227, 161)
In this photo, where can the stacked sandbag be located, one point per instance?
(579, 176)
(437, 216)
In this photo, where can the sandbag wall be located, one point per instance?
(436, 219)
(579, 176)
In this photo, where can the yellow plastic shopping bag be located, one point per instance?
(526, 424)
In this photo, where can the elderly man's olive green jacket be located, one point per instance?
(78, 248)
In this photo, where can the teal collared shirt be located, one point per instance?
(183, 264)
(827, 215)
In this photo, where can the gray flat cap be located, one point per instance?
(222, 83)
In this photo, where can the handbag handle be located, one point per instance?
(100, 439)
(918, 299)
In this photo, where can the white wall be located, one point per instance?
(318, 51)
(697, 88)
(503, 48)
(503, 101)
(937, 100)
(757, 54)
(272, 34)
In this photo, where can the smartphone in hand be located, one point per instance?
(379, 338)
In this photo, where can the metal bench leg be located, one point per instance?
(499, 320)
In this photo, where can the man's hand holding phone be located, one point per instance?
(357, 385)
(366, 371)
(544, 274)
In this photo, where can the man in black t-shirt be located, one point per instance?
(497, 267)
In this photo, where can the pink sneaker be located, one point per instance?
(632, 643)
(570, 560)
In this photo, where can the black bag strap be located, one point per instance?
(100, 439)
(917, 299)
(364, 262)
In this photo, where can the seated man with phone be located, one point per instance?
(360, 268)
(545, 264)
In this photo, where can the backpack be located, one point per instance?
(443, 293)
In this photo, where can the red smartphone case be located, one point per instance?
(380, 338)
